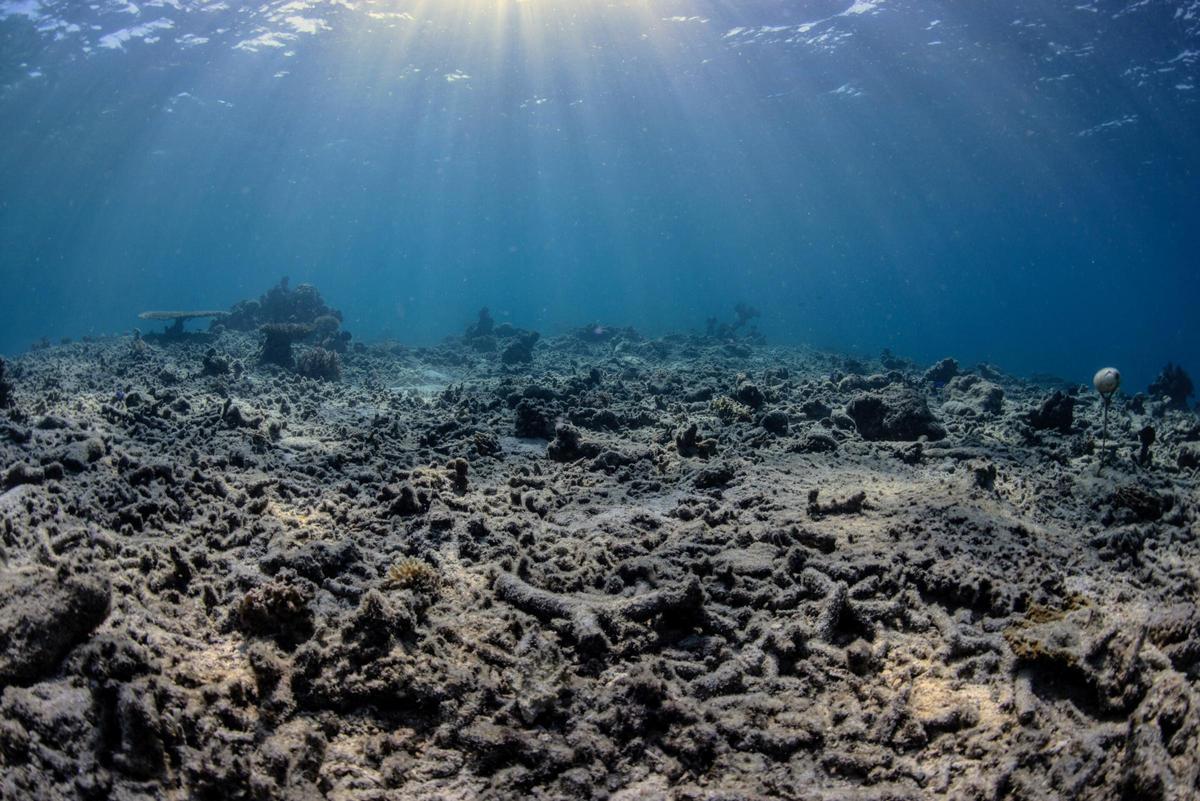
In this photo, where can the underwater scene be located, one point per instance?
(599, 399)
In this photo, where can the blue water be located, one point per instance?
(1013, 182)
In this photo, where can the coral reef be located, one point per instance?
(689, 566)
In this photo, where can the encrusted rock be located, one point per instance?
(43, 614)
(1057, 412)
(898, 413)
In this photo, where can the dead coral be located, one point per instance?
(6, 387)
(1056, 412)
(848, 506)
(278, 609)
(589, 616)
(743, 313)
(178, 318)
(278, 341)
(520, 350)
(1174, 384)
(281, 304)
(416, 575)
(729, 410)
(319, 364)
(689, 443)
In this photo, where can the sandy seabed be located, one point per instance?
(691, 567)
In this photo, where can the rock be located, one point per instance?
(898, 413)
(1174, 384)
(1082, 648)
(775, 422)
(1175, 629)
(610, 460)
(568, 446)
(715, 476)
(1188, 456)
(983, 474)
(235, 417)
(1163, 740)
(142, 753)
(689, 443)
(535, 419)
(758, 560)
(292, 755)
(14, 433)
(6, 387)
(1146, 438)
(459, 469)
(406, 500)
(22, 473)
(816, 410)
(974, 396)
(815, 442)
(852, 383)
(315, 561)
(279, 609)
(750, 395)
(1057, 412)
(43, 614)
(860, 658)
(728, 679)
(520, 351)
(50, 724)
(483, 327)
(942, 372)
(214, 364)
(278, 341)
(77, 456)
(377, 622)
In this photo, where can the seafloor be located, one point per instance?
(591, 566)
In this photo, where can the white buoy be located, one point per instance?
(1106, 380)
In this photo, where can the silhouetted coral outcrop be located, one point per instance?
(1056, 412)
(178, 318)
(277, 346)
(6, 387)
(483, 326)
(1173, 383)
(281, 304)
(520, 350)
(743, 314)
